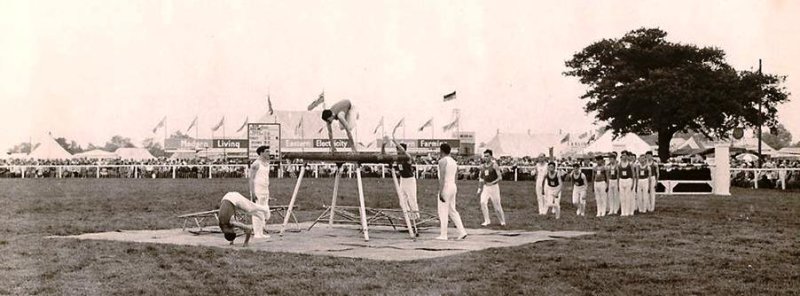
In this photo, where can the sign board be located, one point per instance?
(173, 144)
(466, 137)
(425, 145)
(263, 134)
(326, 143)
(230, 143)
(435, 143)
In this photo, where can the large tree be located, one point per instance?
(154, 147)
(22, 148)
(644, 84)
(118, 142)
(71, 146)
(777, 137)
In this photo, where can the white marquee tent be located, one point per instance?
(630, 142)
(96, 154)
(48, 148)
(522, 144)
(136, 154)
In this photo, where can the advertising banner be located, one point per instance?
(230, 143)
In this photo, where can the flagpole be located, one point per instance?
(165, 133)
(224, 151)
(196, 135)
(433, 130)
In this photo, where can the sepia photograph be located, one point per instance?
(385, 147)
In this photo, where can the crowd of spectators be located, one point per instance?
(107, 162)
(512, 168)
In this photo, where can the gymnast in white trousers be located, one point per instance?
(541, 171)
(551, 189)
(259, 187)
(643, 186)
(447, 194)
(627, 186)
(654, 176)
(489, 189)
(600, 178)
(613, 185)
(227, 208)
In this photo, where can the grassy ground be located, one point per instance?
(746, 244)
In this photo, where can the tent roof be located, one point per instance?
(790, 150)
(630, 142)
(751, 143)
(95, 154)
(48, 148)
(522, 144)
(134, 154)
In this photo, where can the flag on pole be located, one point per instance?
(317, 102)
(565, 139)
(160, 124)
(380, 124)
(400, 123)
(220, 124)
(451, 125)
(269, 106)
(246, 121)
(299, 126)
(191, 125)
(449, 97)
(427, 124)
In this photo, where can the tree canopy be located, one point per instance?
(778, 137)
(645, 84)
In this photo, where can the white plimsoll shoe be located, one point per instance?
(485, 223)
(441, 238)
(462, 237)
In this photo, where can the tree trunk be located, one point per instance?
(664, 137)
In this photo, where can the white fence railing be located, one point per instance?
(780, 176)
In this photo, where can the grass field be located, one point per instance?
(746, 244)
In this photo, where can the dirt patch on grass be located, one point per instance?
(343, 241)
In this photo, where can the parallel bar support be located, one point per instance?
(403, 206)
(335, 194)
(291, 202)
(361, 202)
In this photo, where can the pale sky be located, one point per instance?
(87, 70)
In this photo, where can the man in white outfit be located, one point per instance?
(541, 172)
(227, 208)
(489, 189)
(613, 185)
(627, 184)
(447, 194)
(259, 188)
(654, 176)
(600, 178)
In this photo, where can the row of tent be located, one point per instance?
(562, 145)
(48, 149)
